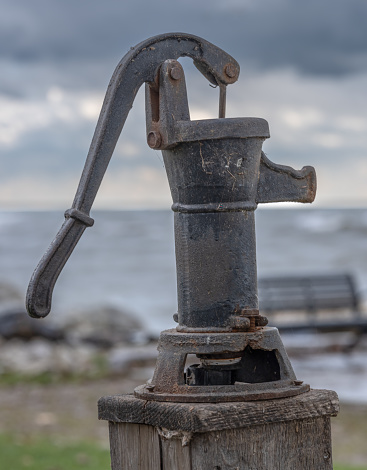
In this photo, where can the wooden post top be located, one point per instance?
(204, 417)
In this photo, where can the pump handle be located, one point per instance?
(141, 64)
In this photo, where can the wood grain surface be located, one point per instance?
(294, 445)
(204, 417)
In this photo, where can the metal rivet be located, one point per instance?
(298, 382)
(230, 70)
(175, 73)
(154, 140)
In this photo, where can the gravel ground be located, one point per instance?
(60, 412)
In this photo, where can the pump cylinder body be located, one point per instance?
(212, 251)
(213, 185)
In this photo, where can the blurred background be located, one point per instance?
(303, 69)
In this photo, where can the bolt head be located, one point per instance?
(230, 70)
(239, 323)
(176, 73)
(154, 140)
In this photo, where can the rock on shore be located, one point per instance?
(77, 346)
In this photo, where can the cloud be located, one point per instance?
(317, 38)
(136, 188)
(21, 117)
(302, 118)
(312, 121)
(303, 68)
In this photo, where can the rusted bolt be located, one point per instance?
(154, 140)
(239, 323)
(175, 73)
(261, 321)
(230, 70)
(298, 382)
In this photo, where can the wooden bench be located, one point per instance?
(330, 303)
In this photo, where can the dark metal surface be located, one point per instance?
(223, 393)
(139, 65)
(217, 174)
(169, 382)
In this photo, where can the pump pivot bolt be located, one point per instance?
(230, 70)
(176, 73)
(154, 140)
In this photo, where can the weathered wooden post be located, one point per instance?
(241, 406)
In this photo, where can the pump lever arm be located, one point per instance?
(139, 65)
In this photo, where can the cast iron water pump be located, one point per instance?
(217, 174)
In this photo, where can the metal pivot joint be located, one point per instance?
(218, 175)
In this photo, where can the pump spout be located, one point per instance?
(280, 183)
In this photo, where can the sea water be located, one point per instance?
(127, 260)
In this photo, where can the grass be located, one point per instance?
(99, 370)
(47, 455)
(349, 432)
(48, 378)
(40, 454)
(345, 467)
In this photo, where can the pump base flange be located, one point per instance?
(170, 383)
(224, 393)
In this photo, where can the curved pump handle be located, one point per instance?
(139, 65)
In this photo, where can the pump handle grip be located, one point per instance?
(139, 65)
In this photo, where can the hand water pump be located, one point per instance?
(218, 175)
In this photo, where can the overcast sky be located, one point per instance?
(303, 68)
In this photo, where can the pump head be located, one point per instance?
(217, 174)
